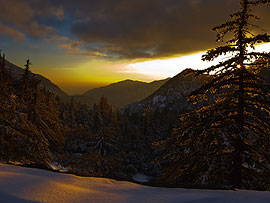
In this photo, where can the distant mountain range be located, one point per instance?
(118, 94)
(121, 93)
(168, 95)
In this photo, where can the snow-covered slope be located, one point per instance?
(19, 184)
(172, 96)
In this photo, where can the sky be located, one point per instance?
(83, 44)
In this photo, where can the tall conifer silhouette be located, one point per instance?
(226, 142)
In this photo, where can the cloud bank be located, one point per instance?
(121, 29)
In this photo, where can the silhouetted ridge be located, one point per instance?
(121, 93)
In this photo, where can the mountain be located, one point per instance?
(17, 72)
(170, 100)
(121, 93)
(165, 105)
(172, 95)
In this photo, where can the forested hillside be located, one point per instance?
(38, 128)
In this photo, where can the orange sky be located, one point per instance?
(80, 77)
(85, 44)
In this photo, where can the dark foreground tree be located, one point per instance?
(226, 142)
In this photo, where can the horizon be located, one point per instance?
(80, 46)
(138, 67)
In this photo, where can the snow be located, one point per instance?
(19, 184)
(156, 99)
(56, 167)
(141, 178)
(162, 106)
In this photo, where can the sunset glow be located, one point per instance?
(79, 54)
(170, 67)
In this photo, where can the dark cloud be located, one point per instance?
(24, 16)
(16, 35)
(121, 28)
(152, 28)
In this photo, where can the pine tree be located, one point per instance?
(27, 69)
(3, 67)
(24, 83)
(226, 142)
(146, 120)
(72, 112)
(105, 143)
(105, 109)
(98, 122)
(115, 119)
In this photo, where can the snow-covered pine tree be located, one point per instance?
(226, 143)
(97, 119)
(105, 142)
(105, 109)
(105, 139)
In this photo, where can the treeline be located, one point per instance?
(37, 129)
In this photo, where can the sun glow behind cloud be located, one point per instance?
(168, 67)
(159, 69)
(78, 77)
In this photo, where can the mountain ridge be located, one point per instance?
(126, 91)
(173, 93)
(121, 93)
